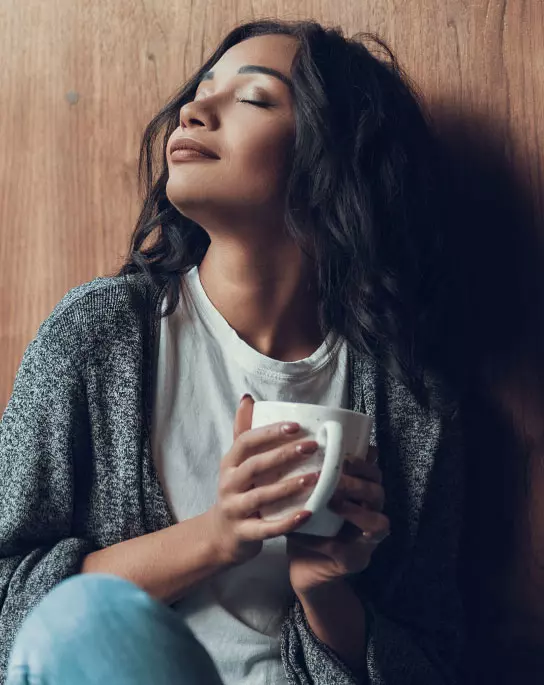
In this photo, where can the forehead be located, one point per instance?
(274, 51)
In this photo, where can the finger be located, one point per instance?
(360, 491)
(359, 467)
(374, 526)
(250, 502)
(243, 417)
(257, 529)
(258, 440)
(272, 466)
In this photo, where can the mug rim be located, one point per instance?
(315, 406)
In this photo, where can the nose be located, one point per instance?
(197, 114)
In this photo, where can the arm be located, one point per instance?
(412, 607)
(336, 616)
(417, 624)
(38, 547)
(166, 564)
(44, 439)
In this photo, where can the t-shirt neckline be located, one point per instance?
(246, 356)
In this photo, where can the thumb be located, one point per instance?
(244, 415)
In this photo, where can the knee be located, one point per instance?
(96, 628)
(74, 611)
(85, 597)
(87, 594)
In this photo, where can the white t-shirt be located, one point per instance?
(203, 369)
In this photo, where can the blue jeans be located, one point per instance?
(94, 629)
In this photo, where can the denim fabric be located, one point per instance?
(95, 629)
(77, 475)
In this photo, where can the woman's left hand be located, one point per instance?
(316, 561)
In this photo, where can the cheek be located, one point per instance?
(251, 172)
(259, 166)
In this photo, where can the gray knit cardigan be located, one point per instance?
(77, 475)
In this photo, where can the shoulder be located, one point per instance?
(104, 295)
(100, 312)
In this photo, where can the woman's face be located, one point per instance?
(253, 142)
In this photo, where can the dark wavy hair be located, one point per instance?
(361, 196)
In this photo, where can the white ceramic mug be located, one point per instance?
(340, 433)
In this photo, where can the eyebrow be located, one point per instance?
(254, 69)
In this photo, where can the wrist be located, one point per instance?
(217, 551)
(337, 617)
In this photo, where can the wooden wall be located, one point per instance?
(80, 80)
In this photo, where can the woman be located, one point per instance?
(295, 261)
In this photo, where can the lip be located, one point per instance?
(190, 144)
(187, 155)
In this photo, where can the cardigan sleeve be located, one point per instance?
(38, 440)
(415, 632)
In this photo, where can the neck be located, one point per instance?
(268, 296)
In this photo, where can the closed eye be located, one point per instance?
(257, 103)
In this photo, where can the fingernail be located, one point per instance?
(309, 479)
(303, 516)
(244, 397)
(306, 448)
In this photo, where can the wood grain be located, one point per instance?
(80, 81)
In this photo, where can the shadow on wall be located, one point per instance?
(494, 335)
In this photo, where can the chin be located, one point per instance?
(188, 196)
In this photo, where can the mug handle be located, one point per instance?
(331, 434)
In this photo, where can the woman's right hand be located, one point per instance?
(236, 527)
